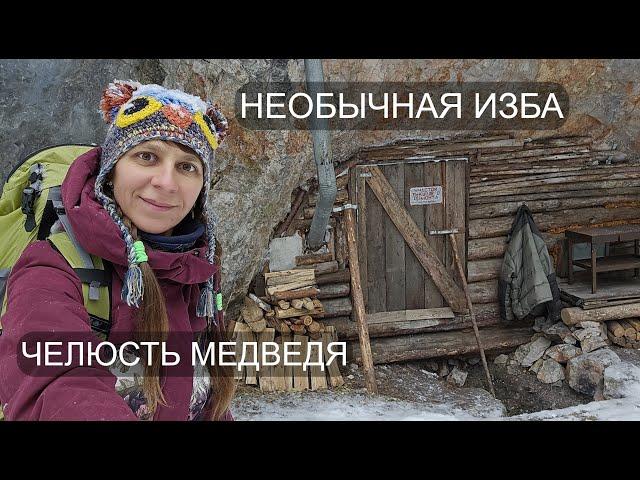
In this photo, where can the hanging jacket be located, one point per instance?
(44, 295)
(527, 285)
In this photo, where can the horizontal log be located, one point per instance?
(499, 226)
(484, 292)
(410, 315)
(290, 286)
(615, 328)
(288, 276)
(323, 267)
(334, 290)
(313, 258)
(601, 182)
(294, 294)
(340, 276)
(574, 315)
(494, 247)
(491, 210)
(337, 307)
(594, 191)
(479, 270)
(529, 153)
(347, 328)
(607, 172)
(296, 312)
(441, 344)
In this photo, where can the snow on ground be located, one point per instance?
(358, 405)
(351, 405)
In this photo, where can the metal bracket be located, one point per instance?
(348, 206)
(443, 232)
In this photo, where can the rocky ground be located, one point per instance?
(409, 391)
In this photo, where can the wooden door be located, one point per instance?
(432, 195)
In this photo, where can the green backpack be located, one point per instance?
(30, 204)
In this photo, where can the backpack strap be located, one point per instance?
(95, 278)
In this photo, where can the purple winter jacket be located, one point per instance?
(45, 295)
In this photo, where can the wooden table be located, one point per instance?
(601, 236)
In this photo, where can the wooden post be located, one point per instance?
(463, 279)
(358, 303)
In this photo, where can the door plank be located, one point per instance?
(416, 240)
(414, 273)
(394, 245)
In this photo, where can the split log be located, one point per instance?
(296, 303)
(574, 315)
(294, 312)
(307, 320)
(441, 344)
(257, 326)
(313, 258)
(315, 327)
(308, 304)
(298, 329)
(250, 311)
(290, 286)
(635, 323)
(629, 331)
(263, 305)
(283, 304)
(615, 328)
(340, 276)
(324, 267)
(334, 290)
(289, 276)
(295, 294)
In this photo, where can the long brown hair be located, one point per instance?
(152, 325)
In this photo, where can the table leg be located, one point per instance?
(593, 268)
(570, 253)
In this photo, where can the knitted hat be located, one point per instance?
(137, 113)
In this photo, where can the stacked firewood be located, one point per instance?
(625, 333)
(293, 296)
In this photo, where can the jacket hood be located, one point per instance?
(99, 235)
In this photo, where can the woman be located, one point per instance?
(140, 203)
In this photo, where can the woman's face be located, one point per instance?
(156, 184)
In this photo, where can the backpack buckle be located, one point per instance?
(28, 199)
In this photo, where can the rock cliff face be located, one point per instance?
(47, 102)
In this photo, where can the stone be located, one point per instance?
(570, 339)
(589, 324)
(591, 338)
(535, 368)
(457, 377)
(443, 371)
(562, 353)
(501, 359)
(350, 377)
(621, 380)
(585, 373)
(550, 372)
(557, 331)
(283, 252)
(354, 366)
(530, 352)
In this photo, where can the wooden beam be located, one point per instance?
(410, 315)
(441, 344)
(358, 301)
(416, 240)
